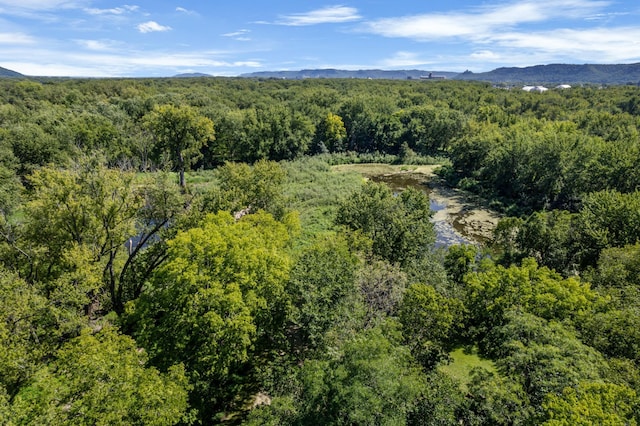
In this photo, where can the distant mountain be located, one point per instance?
(335, 73)
(8, 73)
(192, 75)
(561, 73)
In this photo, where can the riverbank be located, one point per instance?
(465, 213)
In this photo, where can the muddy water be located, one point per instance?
(456, 219)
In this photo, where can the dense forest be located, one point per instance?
(181, 251)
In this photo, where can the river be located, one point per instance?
(458, 218)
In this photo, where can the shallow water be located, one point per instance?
(447, 234)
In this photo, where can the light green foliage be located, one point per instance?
(331, 134)
(399, 226)
(462, 364)
(429, 322)
(27, 331)
(494, 290)
(257, 187)
(459, 260)
(89, 206)
(314, 190)
(180, 132)
(221, 289)
(85, 228)
(592, 403)
(101, 379)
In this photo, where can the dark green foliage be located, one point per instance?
(398, 225)
(443, 403)
(429, 322)
(368, 380)
(323, 290)
(345, 316)
(544, 357)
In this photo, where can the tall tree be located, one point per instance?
(180, 132)
(398, 226)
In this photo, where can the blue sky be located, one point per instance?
(162, 38)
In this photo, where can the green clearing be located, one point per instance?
(463, 360)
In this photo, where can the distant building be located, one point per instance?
(563, 86)
(433, 77)
(539, 89)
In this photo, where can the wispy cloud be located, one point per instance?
(403, 59)
(16, 38)
(113, 11)
(36, 5)
(122, 62)
(482, 22)
(152, 26)
(240, 35)
(506, 33)
(621, 44)
(327, 15)
(186, 11)
(98, 45)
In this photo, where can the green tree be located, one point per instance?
(429, 322)
(592, 403)
(87, 227)
(369, 380)
(607, 219)
(398, 226)
(100, 379)
(497, 400)
(248, 189)
(180, 132)
(322, 287)
(219, 296)
(331, 134)
(495, 290)
(29, 331)
(545, 357)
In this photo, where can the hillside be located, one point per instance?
(336, 73)
(561, 73)
(8, 73)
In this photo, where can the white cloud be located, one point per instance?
(240, 35)
(113, 11)
(403, 59)
(186, 11)
(591, 45)
(98, 45)
(481, 22)
(16, 38)
(236, 33)
(152, 26)
(327, 15)
(41, 4)
(486, 55)
(122, 62)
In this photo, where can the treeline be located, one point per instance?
(266, 288)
